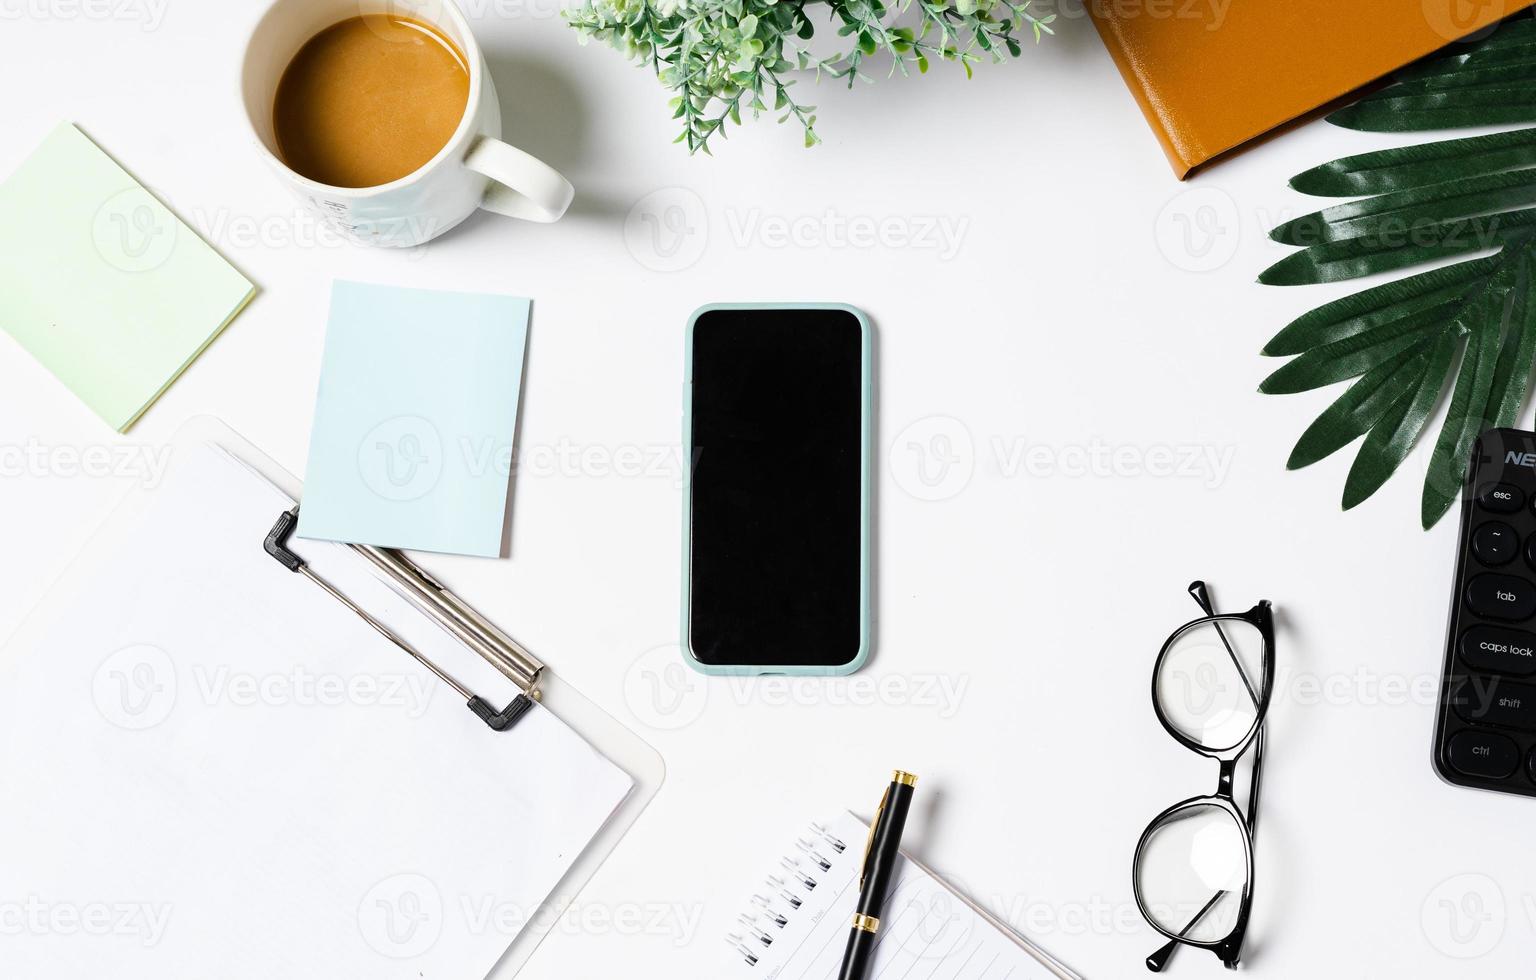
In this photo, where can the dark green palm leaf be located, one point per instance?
(1378, 305)
(1478, 77)
(1401, 339)
(1389, 441)
(1397, 248)
(1401, 213)
(1413, 113)
(1472, 60)
(1352, 356)
(1466, 417)
(1361, 406)
(1403, 167)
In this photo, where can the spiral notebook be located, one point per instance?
(796, 925)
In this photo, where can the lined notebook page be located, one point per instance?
(796, 927)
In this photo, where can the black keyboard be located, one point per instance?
(1485, 725)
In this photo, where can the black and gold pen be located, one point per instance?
(880, 859)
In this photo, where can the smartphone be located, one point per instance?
(777, 489)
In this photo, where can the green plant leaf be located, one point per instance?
(1392, 436)
(1469, 77)
(1511, 103)
(1360, 407)
(1468, 327)
(1373, 307)
(1350, 357)
(1401, 213)
(1512, 374)
(1354, 257)
(1466, 417)
(1403, 167)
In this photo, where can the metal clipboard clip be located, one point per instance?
(451, 612)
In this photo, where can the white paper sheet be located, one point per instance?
(212, 769)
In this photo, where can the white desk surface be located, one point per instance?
(1084, 355)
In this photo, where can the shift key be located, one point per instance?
(1496, 701)
(1501, 597)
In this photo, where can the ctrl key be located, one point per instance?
(1484, 755)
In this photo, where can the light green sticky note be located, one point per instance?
(101, 283)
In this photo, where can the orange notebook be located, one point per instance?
(1211, 75)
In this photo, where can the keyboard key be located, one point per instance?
(1501, 498)
(1495, 543)
(1487, 755)
(1501, 597)
(1495, 701)
(1499, 650)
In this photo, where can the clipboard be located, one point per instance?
(609, 738)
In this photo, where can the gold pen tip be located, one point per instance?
(904, 778)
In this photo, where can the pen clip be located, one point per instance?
(869, 843)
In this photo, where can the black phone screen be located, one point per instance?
(775, 538)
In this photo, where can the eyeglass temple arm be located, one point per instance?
(1159, 959)
(1199, 593)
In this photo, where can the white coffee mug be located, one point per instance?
(475, 169)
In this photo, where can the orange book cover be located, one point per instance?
(1211, 75)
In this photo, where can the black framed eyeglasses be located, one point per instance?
(1193, 870)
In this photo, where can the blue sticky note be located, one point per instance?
(415, 419)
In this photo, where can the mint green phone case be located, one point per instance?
(865, 455)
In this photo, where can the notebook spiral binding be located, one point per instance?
(800, 872)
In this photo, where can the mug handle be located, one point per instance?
(522, 186)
